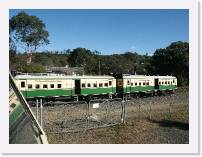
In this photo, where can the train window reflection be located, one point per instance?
(23, 127)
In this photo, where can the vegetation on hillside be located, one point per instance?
(30, 31)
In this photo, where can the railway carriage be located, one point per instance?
(134, 84)
(65, 86)
(45, 86)
(95, 85)
(164, 83)
(127, 84)
(73, 86)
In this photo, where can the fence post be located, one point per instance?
(123, 111)
(41, 106)
(88, 114)
(37, 110)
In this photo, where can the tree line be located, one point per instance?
(172, 60)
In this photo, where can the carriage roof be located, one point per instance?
(147, 77)
(32, 77)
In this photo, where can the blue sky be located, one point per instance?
(113, 31)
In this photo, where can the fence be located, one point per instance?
(78, 116)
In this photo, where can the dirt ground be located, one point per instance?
(161, 119)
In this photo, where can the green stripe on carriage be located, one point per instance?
(15, 114)
(138, 89)
(47, 93)
(167, 87)
(95, 91)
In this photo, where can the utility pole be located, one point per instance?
(135, 68)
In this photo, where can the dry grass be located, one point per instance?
(172, 128)
(165, 120)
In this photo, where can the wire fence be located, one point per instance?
(104, 112)
(58, 117)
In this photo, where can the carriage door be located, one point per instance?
(77, 86)
(156, 83)
(119, 85)
(23, 89)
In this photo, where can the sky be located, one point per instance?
(112, 31)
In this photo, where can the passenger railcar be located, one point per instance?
(163, 83)
(133, 84)
(45, 86)
(95, 85)
(65, 86)
(33, 86)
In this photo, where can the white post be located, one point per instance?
(37, 110)
(99, 69)
(123, 111)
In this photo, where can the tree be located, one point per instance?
(173, 60)
(34, 68)
(79, 57)
(27, 31)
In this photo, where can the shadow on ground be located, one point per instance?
(169, 123)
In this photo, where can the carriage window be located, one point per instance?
(143, 83)
(52, 86)
(147, 83)
(23, 84)
(159, 83)
(88, 84)
(106, 84)
(166, 82)
(95, 85)
(139, 83)
(29, 86)
(128, 82)
(37, 86)
(100, 84)
(110, 83)
(131, 84)
(162, 82)
(59, 85)
(173, 81)
(136, 83)
(83, 85)
(45, 86)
